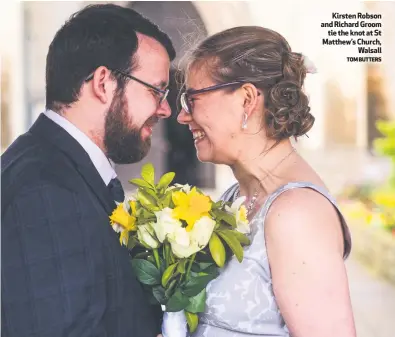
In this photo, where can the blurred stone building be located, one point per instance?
(346, 98)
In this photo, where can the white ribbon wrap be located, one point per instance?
(174, 324)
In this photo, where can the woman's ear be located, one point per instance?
(252, 97)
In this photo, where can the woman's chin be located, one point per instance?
(203, 157)
(204, 154)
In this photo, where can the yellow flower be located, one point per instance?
(122, 218)
(190, 206)
(132, 204)
(240, 212)
(124, 237)
(243, 214)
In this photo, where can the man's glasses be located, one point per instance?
(161, 93)
(185, 97)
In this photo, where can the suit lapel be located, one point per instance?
(49, 131)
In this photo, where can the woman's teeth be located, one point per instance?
(198, 135)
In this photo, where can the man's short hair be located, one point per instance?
(98, 35)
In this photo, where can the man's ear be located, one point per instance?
(103, 85)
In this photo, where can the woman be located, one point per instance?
(244, 102)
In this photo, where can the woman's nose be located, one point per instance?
(183, 117)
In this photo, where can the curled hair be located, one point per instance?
(264, 58)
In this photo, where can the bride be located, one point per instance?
(243, 103)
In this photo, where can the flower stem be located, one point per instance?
(156, 256)
(190, 266)
(167, 255)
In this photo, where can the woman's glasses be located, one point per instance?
(185, 98)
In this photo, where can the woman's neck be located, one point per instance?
(265, 172)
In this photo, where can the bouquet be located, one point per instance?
(178, 238)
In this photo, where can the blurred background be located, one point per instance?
(352, 144)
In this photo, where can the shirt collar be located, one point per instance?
(103, 165)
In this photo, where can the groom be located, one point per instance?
(64, 272)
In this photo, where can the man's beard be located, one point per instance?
(123, 142)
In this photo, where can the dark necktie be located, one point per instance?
(116, 190)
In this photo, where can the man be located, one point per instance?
(64, 272)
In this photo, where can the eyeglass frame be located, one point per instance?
(163, 92)
(184, 95)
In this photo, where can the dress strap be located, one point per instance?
(269, 201)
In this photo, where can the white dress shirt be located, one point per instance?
(99, 159)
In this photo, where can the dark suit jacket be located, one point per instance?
(64, 273)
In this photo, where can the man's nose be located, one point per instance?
(164, 110)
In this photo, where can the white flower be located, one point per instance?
(181, 244)
(180, 236)
(202, 230)
(165, 224)
(146, 235)
(170, 188)
(239, 211)
(184, 244)
(184, 188)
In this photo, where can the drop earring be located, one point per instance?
(244, 124)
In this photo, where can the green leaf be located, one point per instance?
(142, 221)
(169, 290)
(225, 216)
(151, 193)
(181, 266)
(195, 268)
(196, 284)
(148, 173)
(146, 272)
(243, 239)
(205, 265)
(233, 243)
(212, 270)
(168, 274)
(159, 293)
(217, 250)
(162, 265)
(150, 258)
(147, 201)
(166, 200)
(192, 320)
(140, 183)
(165, 180)
(201, 266)
(197, 303)
(177, 302)
(133, 242)
(142, 255)
(144, 213)
(217, 205)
